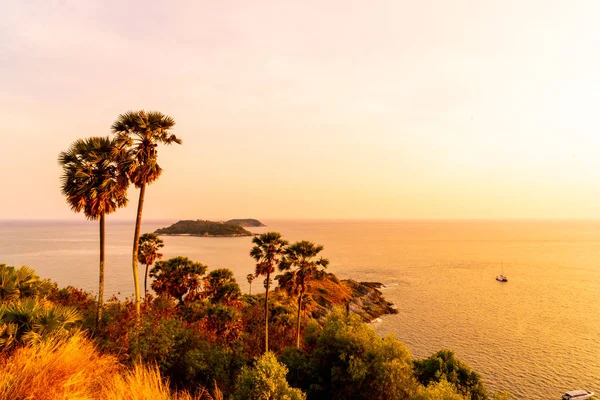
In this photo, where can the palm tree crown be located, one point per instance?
(94, 176)
(267, 251)
(142, 131)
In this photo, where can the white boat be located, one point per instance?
(577, 395)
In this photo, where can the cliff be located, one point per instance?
(362, 298)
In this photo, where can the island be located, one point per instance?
(204, 228)
(246, 222)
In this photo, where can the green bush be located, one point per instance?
(442, 390)
(349, 361)
(266, 380)
(443, 365)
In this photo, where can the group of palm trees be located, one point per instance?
(97, 172)
(298, 263)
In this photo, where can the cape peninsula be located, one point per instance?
(231, 228)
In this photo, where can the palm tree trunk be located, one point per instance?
(298, 321)
(101, 283)
(145, 283)
(134, 258)
(267, 314)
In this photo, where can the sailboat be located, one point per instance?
(502, 277)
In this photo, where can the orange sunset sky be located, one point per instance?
(313, 109)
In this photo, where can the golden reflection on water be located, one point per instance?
(538, 334)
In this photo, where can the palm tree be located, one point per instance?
(149, 244)
(267, 251)
(250, 278)
(141, 132)
(178, 277)
(95, 183)
(299, 261)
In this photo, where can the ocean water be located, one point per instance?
(536, 336)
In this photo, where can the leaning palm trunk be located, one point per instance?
(267, 314)
(298, 321)
(101, 283)
(134, 258)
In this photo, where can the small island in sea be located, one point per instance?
(245, 222)
(231, 228)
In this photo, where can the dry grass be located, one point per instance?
(72, 369)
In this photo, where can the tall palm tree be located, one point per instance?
(267, 251)
(141, 132)
(299, 261)
(94, 182)
(149, 244)
(250, 278)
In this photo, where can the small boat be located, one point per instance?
(577, 395)
(501, 277)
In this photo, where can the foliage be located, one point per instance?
(266, 381)
(178, 277)
(94, 176)
(282, 315)
(141, 131)
(443, 365)
(29, 321)
(442, 390)
(349, 361)
(203, 228)
(166, 335)
(22, 283)
(220, 286)
(219, 322)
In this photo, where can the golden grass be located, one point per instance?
(72, 369)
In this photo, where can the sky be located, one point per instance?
(313, 109)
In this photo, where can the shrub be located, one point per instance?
(443, 365)
(350, 361)
(442, 390)
(266, 381)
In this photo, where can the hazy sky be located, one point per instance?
(317, 109)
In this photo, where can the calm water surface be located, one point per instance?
(536, 336)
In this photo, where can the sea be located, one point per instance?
(535, 336)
